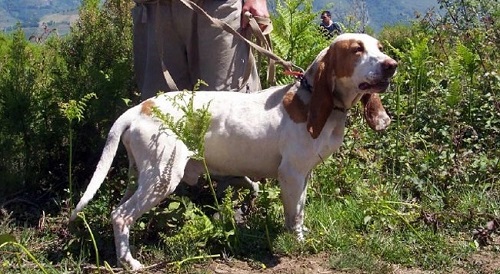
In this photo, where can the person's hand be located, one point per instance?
(257, 8)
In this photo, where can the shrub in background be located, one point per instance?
(35, 78)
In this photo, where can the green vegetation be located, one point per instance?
(424, 194)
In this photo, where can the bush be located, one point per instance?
(36, 78)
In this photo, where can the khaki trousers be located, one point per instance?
(189, 47)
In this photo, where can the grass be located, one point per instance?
(370, 229)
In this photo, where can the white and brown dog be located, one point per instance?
(282, 132)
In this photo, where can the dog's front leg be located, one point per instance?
(293, 195)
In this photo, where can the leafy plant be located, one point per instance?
(87, 226)
(192, 126)
(188, 239)
(73, 110)
(295, 21)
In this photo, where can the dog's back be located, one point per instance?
(239, 124)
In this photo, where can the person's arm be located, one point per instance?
(256, 8)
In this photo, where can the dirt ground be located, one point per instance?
(487, 262)
(484, 261)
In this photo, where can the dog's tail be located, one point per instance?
(122, 123)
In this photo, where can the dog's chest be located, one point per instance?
(332, 137)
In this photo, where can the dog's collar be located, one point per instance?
(305, 84)
(341, 109)
(299, 75)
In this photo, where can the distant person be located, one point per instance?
(327, 26)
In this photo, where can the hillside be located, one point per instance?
(380, 12)
(32, 13)
(59, 14)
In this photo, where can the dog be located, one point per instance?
(282, 132)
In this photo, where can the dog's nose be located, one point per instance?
(389, 66)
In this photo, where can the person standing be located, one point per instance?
(174, 47)
(327, 26)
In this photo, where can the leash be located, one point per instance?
(294, 73)
(299, 75)
(223, 25)
(263, 40)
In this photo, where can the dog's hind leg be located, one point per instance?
(132, 169)
(193, 170)
(155, 183)
(146, 197)
(223, 182)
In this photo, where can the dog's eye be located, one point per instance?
(358, 48)
(380, 47)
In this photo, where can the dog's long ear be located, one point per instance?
(374, 112)
(321, 104)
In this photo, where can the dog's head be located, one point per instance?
(353, 67)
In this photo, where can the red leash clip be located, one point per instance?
(296, 74)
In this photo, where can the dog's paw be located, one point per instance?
(130, 264)
(135, 265)
(300, 236)
(299, 233)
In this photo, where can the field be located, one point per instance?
(421, 197)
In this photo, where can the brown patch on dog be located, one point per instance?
(295, 107)
(340, 61)
(147, 107)
(345, 57)
(321, 104)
